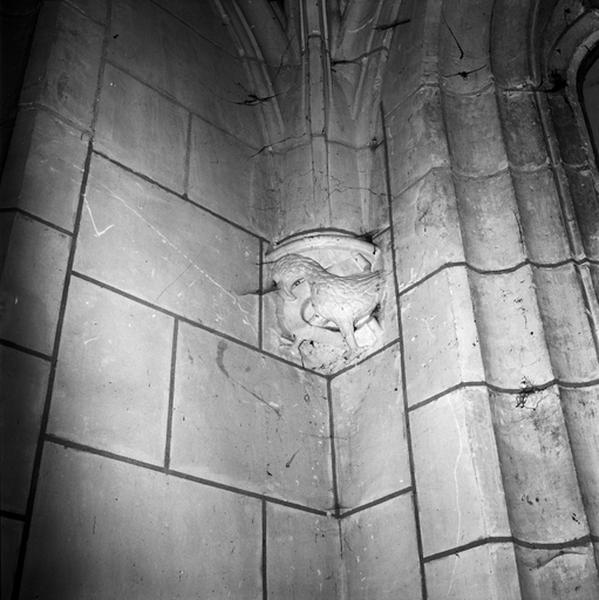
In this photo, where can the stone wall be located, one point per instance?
(159, 441)
(149, 446)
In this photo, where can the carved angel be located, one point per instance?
(342, 300)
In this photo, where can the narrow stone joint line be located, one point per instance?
(73, 445)
(182, 197)
(188, 321)
(348, 513)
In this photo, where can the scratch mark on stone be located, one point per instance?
(168, 242)
(288, 463)
(97, 232)
(174, 281)
(86, 342)
(220, 353)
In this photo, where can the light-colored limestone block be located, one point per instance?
(541, 217)
(149, 243)
(370, 436)
(440, 338)
(107, 529)
(111, 387)
(568, 573)
(413, 54)
(567, 329)
(380, 553)
(427, 229)
(511, 333)
(416, 138)
(581, 411)
(487, 571)
(344, 188)
(250, 421)
(226, 176)
(490, 222)
(301, 555)
(460, 492)
(474, 133)
(539, 478)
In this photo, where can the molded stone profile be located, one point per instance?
(330, 287)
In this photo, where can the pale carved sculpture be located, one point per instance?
(326, 301)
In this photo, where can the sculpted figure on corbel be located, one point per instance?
(316, 305)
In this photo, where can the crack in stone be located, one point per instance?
(220, 354)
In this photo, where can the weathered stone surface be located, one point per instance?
(380, 552)
(416, 138)
(141, 129)
(372, 164)
(328, 358)
(413, 55)
(440, 339)
(111, 387)
(541, 216)
(541, 488)
(9, 552)
(142, 240)
(23, 379)
(226, 176)
(427, 228)
(566, 323)
(571, 148)
(293, 179)
(387, 315)
(103, 528)
(166, 54)
(44, 169)
(460, 492)
(250, 421)
(509, 35)
(294, 120)
(490, 222)
(522, 129)
(370, 436)
(487, 571)
(474, 133)
(565, 573)
(464, 32)
(344, 188)
(586, 208)
(32, 281)
(512, 336)
(581, 411)
(62, 73)
(301, 555)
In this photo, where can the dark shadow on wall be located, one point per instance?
(588, 93)
(17, 23)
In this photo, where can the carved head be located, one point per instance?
(291, 270)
